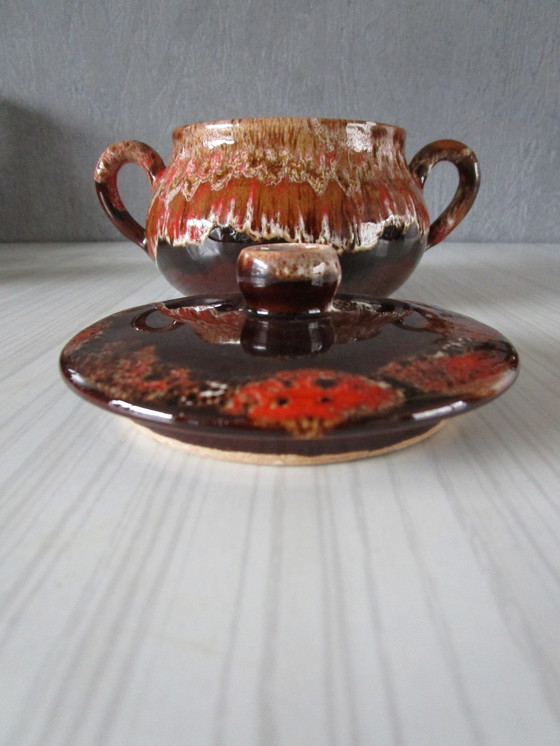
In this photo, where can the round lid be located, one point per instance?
(247, 373)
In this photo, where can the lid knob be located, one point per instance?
(288, 278)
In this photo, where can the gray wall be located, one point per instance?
(78, 75)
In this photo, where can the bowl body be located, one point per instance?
(237, 183)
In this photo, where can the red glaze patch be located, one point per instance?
(137, 375)
(309, 402)
(470, 373)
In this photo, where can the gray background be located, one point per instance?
(79, 75)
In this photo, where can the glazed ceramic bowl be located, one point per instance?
(237, 183)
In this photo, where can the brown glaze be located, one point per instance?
(115, 157)
(389, 380)
(285, 179)
(250, 181)
(288, 278)
(469, 179)
(331, 453)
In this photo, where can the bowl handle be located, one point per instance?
(108, 166)
(469, 180)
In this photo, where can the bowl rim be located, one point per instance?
(217, 123)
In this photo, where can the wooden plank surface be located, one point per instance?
(150, 597)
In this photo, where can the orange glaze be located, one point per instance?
(302, 399)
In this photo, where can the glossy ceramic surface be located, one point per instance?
(364, 375)
(236, 183)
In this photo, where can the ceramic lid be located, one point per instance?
(246, 373)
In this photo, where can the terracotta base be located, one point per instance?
(286, 459)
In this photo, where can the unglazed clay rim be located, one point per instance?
(284, 459)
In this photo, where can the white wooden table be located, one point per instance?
(151, 598)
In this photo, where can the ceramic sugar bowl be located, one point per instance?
(233, 184)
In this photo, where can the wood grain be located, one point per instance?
(153, 597)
